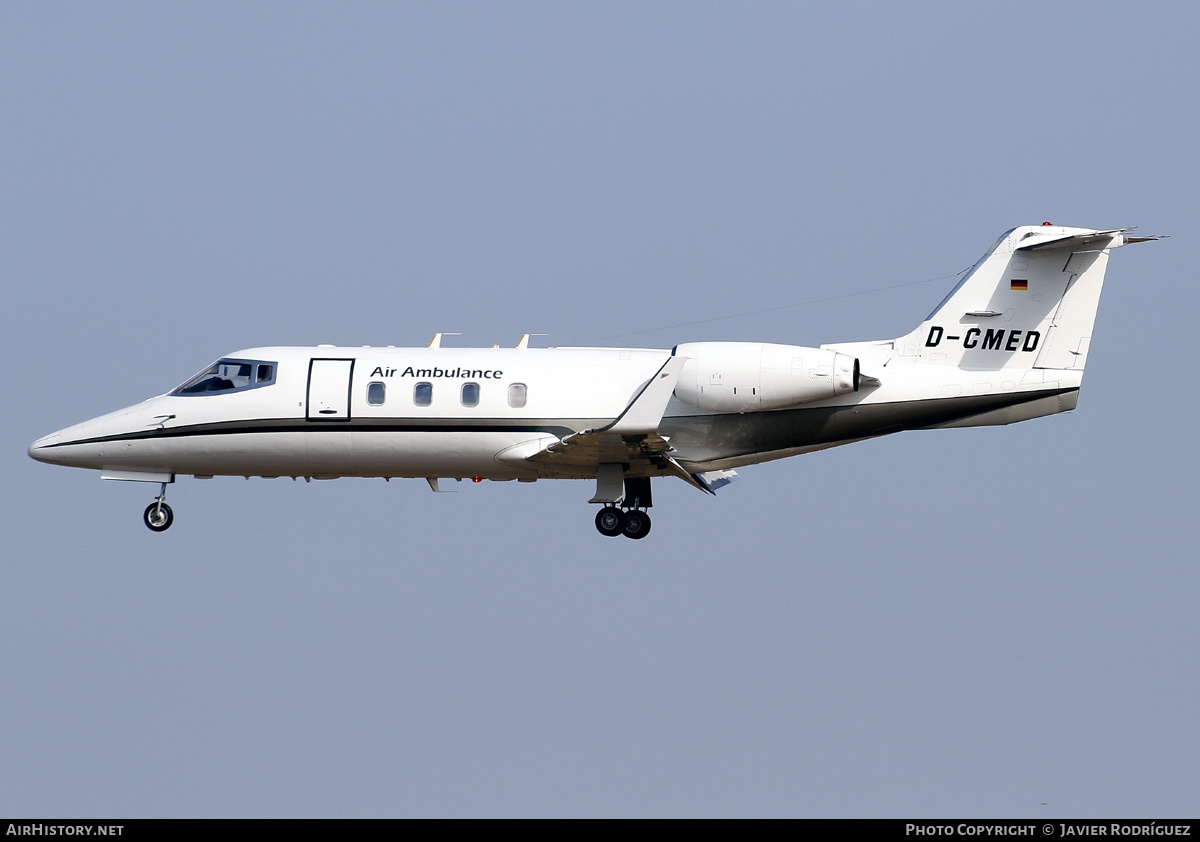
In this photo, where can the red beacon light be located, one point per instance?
(476, 479)
(1047, 223)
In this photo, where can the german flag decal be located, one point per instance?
(1021, 285)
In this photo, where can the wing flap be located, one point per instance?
(591, 447)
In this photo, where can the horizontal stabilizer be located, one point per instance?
(1112, 238)
(1033, 240)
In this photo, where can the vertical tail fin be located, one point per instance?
(1030, 302)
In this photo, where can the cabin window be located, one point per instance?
(470, 394)
(375, 393)
(423, 394)
(516, 395)
(229, 376)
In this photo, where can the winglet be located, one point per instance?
(645, 411)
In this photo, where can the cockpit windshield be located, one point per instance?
(229, 376)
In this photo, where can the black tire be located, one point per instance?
(158, 517)
(610, 521)
(637, 524)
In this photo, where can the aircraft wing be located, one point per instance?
(632, 436)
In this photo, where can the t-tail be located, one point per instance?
(1029, 302)
(1022, 316)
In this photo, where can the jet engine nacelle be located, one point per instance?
(752, 376)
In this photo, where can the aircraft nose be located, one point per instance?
(43, 449)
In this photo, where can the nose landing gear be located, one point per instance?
(158, 515)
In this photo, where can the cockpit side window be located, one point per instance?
(229, 376)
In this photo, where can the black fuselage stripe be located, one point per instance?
(306, 426)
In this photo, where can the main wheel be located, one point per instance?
(637, 524)
(610, 521)
(158, 517)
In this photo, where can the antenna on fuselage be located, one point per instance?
(436, 342)
(524, 343)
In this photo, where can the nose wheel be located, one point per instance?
(631, 523)
(158, 515)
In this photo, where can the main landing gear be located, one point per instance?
(158, 515)
(631, 523)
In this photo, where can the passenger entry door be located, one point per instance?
(329, 390)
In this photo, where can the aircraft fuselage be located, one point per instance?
(402, 413)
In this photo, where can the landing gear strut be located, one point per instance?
(634, 521)
(158, 515)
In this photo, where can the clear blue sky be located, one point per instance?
(989, 622)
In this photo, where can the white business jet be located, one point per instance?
(1008, 343)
